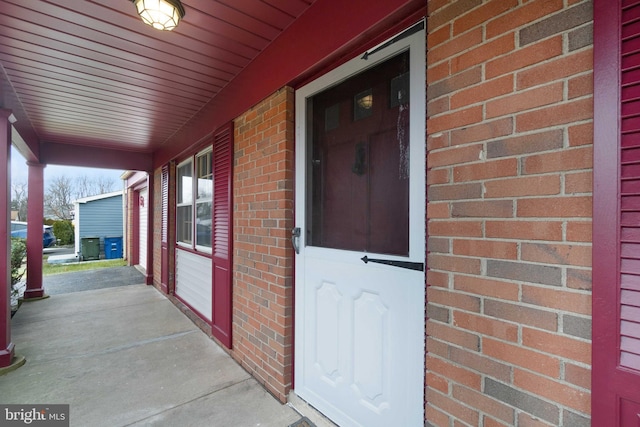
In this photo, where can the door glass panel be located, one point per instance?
(360, 162)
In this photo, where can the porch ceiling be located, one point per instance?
(90, 73)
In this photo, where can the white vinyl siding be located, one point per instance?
(193, 281)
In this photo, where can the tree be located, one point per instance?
(86, 186)
(58, 200)
(19, 199)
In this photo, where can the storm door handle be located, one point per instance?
(418, 266)
(295, 239)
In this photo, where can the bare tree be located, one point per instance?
(58, 200)
(19, 199)
(86, 186)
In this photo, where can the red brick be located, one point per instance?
(522, 144)
(526, 420)
(453, 299)
(559, 207)
(525, 57)
(482, 92)
(565, 160)
(453, 335)
(523, 357)
(453, 156)
(581, 86)
(554, 344)
(579, 182)
(455, 119)
(438, 72)
(482, 209)
(581, 134)
(486, 170)
(441, 13)
(436, 278)
(568, 112)
(579, 231)
(454, 192)
(482, 131)
(571, 397)
(486, 326)
(522, 15)
(436, 417)
(454, 46)
(490, 422)
(487, 287)
(525, 100)
(453, 373)
(549, 253)
(556, 69)
(525, 230)
(453, 264)
(482, 14)
(479, 363)
(455, 228)
(451, 406)
(542, 185)
(439, 36)
(485, 248)
(438, 210)
(437, 382)
(571, 301)
(437, 176)
(483, 53)
(484, 403)
(436, 141)
(438, 106)
(579, 279)
(577, 375)
(520, 314)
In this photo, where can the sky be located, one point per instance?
(20, 171)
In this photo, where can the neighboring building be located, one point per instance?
(99, 217)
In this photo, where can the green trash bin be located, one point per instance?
(90, 248)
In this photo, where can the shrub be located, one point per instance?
(63, 230)
(18, 254)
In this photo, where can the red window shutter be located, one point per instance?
(222, 236)
(616, 214)
(165, 202)
(164, 245)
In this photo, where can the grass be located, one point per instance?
(48, 269)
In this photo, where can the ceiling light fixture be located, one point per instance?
(160, 14)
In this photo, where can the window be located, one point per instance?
(194, 200)
(204, 192)
(184, 187)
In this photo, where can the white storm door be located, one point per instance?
(360, 196)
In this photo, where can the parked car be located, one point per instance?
(19, 229)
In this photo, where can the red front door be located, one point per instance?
(616, 214)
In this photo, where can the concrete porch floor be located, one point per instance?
(126, 356)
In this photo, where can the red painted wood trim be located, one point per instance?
(6, 346)
(35, 215)
(93, 156)
(135, 228)
(304, 47)
(605, 203)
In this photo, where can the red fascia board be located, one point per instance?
(92, 156)
(325, 32)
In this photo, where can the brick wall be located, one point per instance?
(263, 258)
(509, 210)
